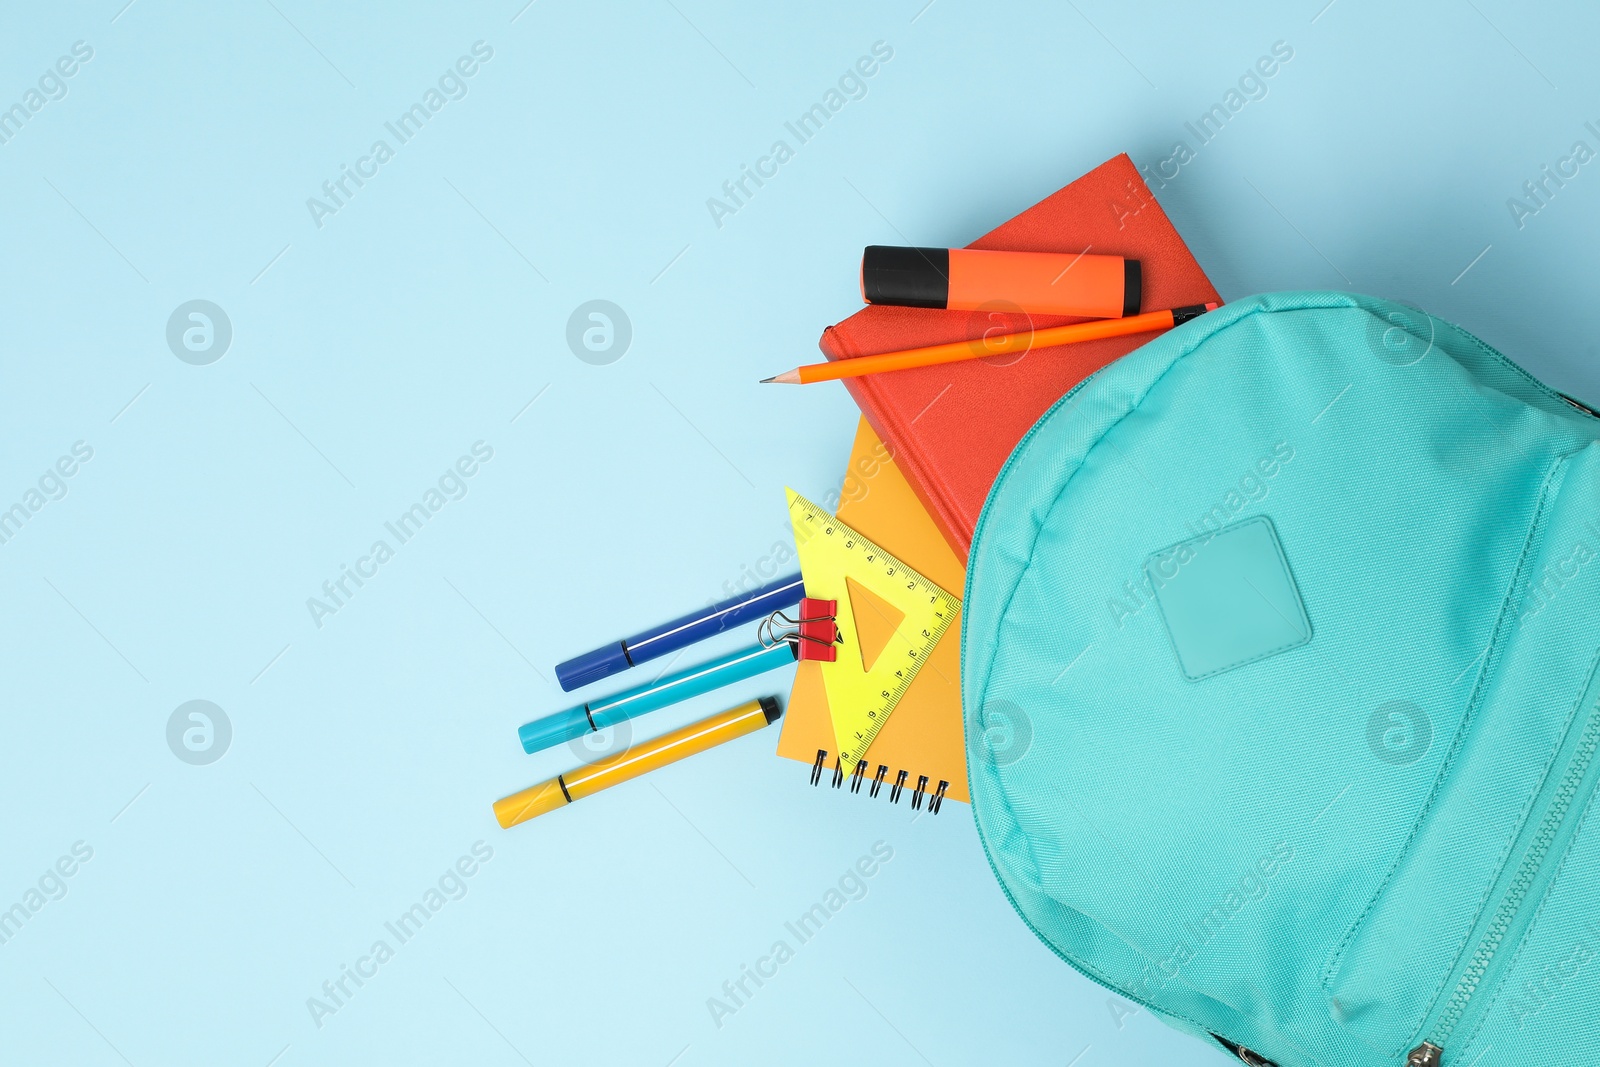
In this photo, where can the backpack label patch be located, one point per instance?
(1228, 598)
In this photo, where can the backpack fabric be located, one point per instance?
(1279, 677)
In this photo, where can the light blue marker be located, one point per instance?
(690, 682)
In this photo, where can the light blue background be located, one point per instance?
(369, 353)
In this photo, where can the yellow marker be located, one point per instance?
(563, 789)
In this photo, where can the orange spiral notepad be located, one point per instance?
(923, 734)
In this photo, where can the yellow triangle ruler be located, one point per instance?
(889, 619)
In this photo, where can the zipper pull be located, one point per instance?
(1426, 1054)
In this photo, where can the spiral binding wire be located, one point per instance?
(920, 792)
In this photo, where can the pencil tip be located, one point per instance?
(764, 381)
(788, 377)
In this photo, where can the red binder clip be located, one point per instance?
(819, 633)
(816, 634)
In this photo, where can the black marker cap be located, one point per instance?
(906, 277)
(769, 707)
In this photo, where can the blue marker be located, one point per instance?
(679, 633)
(691, 682)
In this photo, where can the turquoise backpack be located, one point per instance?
(1279, 674)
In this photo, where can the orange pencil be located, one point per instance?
(1005, 344)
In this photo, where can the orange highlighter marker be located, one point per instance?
(563, 789)
(968, 279)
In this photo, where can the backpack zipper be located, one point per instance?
(1246, 1056)
(1431, 1052)
(1426, 1054)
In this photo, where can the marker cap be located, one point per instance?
(905, 277)
(593, 666)
(554, 728)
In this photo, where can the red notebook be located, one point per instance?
(950, 428)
